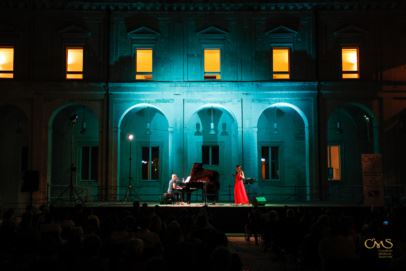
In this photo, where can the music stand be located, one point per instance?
(130, 186)
(73, 194)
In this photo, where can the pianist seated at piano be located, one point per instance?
(183, 188)
(201, 179)
(172, 188)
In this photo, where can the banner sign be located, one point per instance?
(372, 177)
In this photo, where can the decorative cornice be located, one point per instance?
(350, 30)
(212, 30)
(74, 31)
(200, 5)
(281, 29)
(143, 32)
(7, 28)
(350, 34)
(281, 34)
(212, 35)
(8, 33)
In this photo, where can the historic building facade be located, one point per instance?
(294, 92)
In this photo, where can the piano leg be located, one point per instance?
(178, 196)
(205, 193)
(188, 196)
(182, 195)
(186, 190)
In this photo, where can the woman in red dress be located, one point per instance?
(240, 196)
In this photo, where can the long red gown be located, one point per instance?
(240, 196)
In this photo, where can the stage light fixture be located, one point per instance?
(212, 131)
(148, 129)
(339, 130)
(74, 118)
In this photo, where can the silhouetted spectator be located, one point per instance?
(337, 249)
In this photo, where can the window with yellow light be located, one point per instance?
(334, 162)
(143, 64)
(74, 63)
(212, 64)
(350, 63)
(7, 62)
(281, 63)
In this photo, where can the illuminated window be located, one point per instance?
(270, 162)
(6, 62)
(212, 64)
(143, 64)
(210, 155)
(74, 63)
(350, 63)
(280, 63)
(334, 162)
(150, 163)
(89, 163)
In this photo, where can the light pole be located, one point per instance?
(130, 138)
(73, 194)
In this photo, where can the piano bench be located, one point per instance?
(167, 198)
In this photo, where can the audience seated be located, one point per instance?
(145, 238)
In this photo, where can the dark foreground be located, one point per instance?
(200, 237)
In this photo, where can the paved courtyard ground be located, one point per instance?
(255, 258)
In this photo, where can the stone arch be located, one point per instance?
(292, 106)
(352, 129)
(212, 138)
(138, 107)
(374, 120)
(74, 159)
(298, 135)
(395, 149)
(14, 156)
(216, 106)
(144, 161)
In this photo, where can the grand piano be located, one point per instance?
(200, 178)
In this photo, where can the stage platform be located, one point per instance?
(225, 216)
(127, 204)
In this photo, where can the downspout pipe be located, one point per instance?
(107, 104)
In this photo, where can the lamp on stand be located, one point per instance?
(73, 194)
(130, 138)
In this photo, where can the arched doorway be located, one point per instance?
(350, 133)
(143, 154)
(395, 162)
(212, 139)
(75, 154)
(14, 156)
(283, 153)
